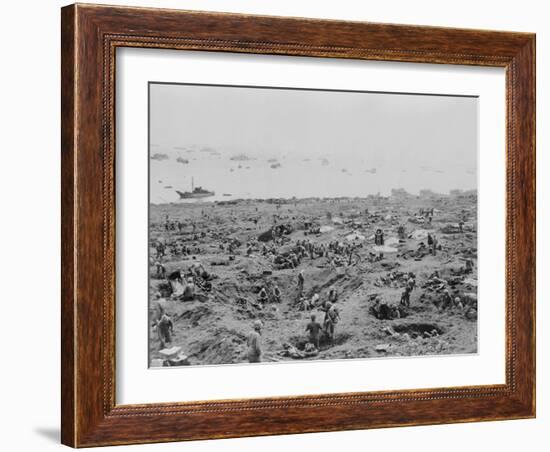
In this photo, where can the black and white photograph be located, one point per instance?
(298, 224)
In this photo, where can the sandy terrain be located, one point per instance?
(212, 328)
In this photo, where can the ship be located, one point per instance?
(196, 192)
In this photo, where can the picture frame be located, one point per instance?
(90, 36)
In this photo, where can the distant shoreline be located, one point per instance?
(397, 195)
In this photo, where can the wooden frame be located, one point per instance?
(90, 35)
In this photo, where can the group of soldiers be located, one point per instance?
(263, 296)
(302, 249)
(389, 311)
(315, 331)
(335, 252)
(427, 214)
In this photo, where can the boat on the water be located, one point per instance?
(196, 192)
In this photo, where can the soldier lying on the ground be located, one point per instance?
(292, 352)
(203, 284)
(306, 303)
(466, 269)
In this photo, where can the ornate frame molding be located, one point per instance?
(90, 37)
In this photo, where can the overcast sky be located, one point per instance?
(439, 131)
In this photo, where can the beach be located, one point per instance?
(406, 297)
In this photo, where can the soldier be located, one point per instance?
(161, 250)
(161, 270)
(314, 300)
(301, 281)
(375, 308)
(401, 232)
(395, 313)
(189, 290)
(262, 296)
(350, 255)
(314, 329)
(458, 304)
(294, 260)
(432, 243)
(406, 297)
(165, 329)
(159, 307)
(276, 294)
(253, 341)
(379, 237)
(331, 319)
(303, 304)
(411, 283)
(447, 300)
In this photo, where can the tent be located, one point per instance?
(324, 229)
(266, 236)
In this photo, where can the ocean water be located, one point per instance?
(296, 176)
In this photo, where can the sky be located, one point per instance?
(413, 141)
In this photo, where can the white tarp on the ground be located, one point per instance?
(384, 249)
(177, 288)
(355, 236)
(420, 234)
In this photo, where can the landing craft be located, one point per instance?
(196, 192)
